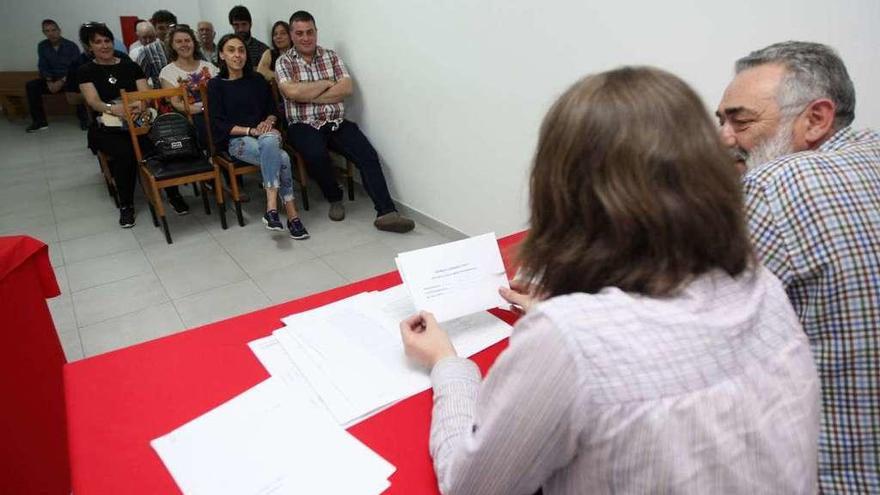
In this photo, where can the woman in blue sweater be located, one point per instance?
(243, 117)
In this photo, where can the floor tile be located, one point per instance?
(43, 229)
(83, 226)
(111, 268)
(55, 256)
(182, 277)
(362, 261)
(264, 250)
(184, 229)
(220, 303)
(420, 237)
(117, 298)
(301, 279)
(72, 345)
(133, 328)
(97, 245)
(61, 309)
(62, 279)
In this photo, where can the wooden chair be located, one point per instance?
(157, 175)
(302, 174)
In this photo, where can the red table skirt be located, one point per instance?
(119, 401)
(34, 455)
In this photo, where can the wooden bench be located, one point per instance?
(13, 97)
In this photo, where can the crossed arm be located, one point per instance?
(323, 91)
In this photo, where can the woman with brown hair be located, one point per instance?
(656, 355)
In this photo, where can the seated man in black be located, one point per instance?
(315, 82)
(55, 54)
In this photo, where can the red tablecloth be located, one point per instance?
(119, 401)
(34, 452)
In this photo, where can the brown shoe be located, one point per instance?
(394, 222)
(337, 211)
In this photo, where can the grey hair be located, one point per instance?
(144, 26)
(814, 71)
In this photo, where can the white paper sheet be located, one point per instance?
(351, 354)
(262, 442)
(455, 279)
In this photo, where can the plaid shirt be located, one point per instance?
(814, 218)
(325, 65)
(152, 59)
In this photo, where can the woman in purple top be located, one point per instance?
(243, 117)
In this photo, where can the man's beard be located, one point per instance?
(780, 144)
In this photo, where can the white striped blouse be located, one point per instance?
(712, 391)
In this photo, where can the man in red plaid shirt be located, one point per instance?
(315, 82)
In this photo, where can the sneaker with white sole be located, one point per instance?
(37, 126)
(297, 229)
(272, 222)
(126, 217)
(178, 204)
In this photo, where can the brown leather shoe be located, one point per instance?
(394, 222)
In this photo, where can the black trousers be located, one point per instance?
(35, 90)
(347, 140)
(122, 161)
(120, 156)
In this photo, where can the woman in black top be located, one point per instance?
(100, 82)
(280, 44)
(243, 116)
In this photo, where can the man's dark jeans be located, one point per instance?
(347, 140)
(35, 90)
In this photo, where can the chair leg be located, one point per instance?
(153, 214)
(350, 185)
(304, 193)
(195, 189)
(165, 228)
(238, 213)
(222, 208)
(205, 199)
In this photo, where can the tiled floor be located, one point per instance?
(121, 287)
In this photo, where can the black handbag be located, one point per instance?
(174, 138)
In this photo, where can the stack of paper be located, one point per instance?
(331, 367)
(265, 441)
(348, 356)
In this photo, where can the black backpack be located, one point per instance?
(174, 138)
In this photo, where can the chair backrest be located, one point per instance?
(151, 98)
(279, 104)
(203, 92)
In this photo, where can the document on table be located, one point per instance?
(455, 279)
(265, 442)
(350, 352)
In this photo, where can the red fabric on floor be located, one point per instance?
(119, 401)
(34, 455)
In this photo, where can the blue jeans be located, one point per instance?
(274, 163)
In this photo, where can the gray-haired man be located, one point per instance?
(812, 191)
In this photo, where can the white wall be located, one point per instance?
(20, 22)
(452, 92)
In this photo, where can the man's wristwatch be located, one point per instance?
(109, 107)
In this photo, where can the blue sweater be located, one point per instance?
(54, 63)
(245, 102)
